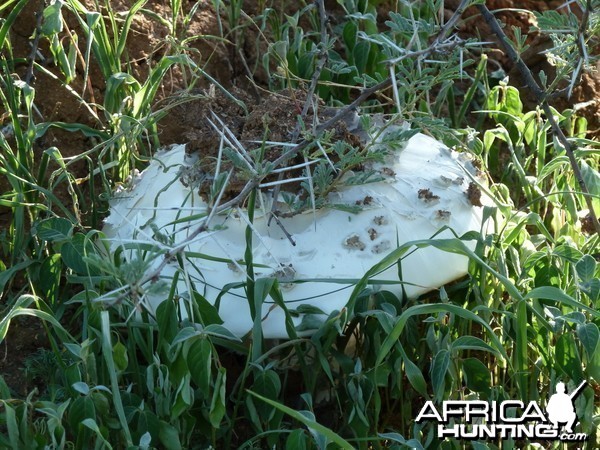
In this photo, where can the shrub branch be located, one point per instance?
(542, 99)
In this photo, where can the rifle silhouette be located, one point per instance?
(577, 390)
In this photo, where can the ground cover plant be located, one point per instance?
(127, 78)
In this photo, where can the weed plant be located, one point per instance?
(525, 318)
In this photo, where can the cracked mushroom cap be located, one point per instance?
(425, 188)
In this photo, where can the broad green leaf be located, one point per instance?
(567, 357)
(81, 387)
(589, 335)
(55, 229)
(349, 35)
(75, 250)
(50, 278)
(586, 268)
(555, 294)
(169, 437)
(185, 334)
(145, 441)
(120, 356)
(591, 289)
(413, 373)
(199, 361)
(82, 408)
(477, 375)
(221, 332)
(591, 177)
(168, 324)
(297, 440)
(512, 101)
(52, 18)
(267, 384)
(208, 313)
(439, 368)
(149, 423)
(568, 253)
(360, 54)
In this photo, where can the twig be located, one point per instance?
(34, 46)
(443, 46)
(443, 33)
(87, 82)
(541, 98)
(583, 55)
(323, 56)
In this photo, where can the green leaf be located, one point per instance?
(591, 177)
(477, 375)
(82, 408)
(20, 308)
(55, 229)
(81, 387)
(586, 268)
(394, 335)
(360, 54)
(120, 356)
(568, 253)
(309, 422)
(9, 20)
(75, 250)
(267, 384)
(472, 343)
(208, 313)
(107, 353)
(589, 335)
(52, 19)
(555, 294)
(7, 274)
(199, 361)
(185, 334)
(169, 437)
(217, 405)
(439, 368)
(567, 357)
(591, 289)
(414, 374)
(297, 440)
(221, 332)
(398, 438)
(168, 324)
(50, 276)
(512, 101)
(349, 35)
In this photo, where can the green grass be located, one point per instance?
(526, 316)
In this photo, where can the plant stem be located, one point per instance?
(542, 99)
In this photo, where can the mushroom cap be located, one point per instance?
(424, 189)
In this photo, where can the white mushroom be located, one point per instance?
(424, 189)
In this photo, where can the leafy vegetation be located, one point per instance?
(117, 376)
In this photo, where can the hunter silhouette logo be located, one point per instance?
(560, 407)
(508, 419)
